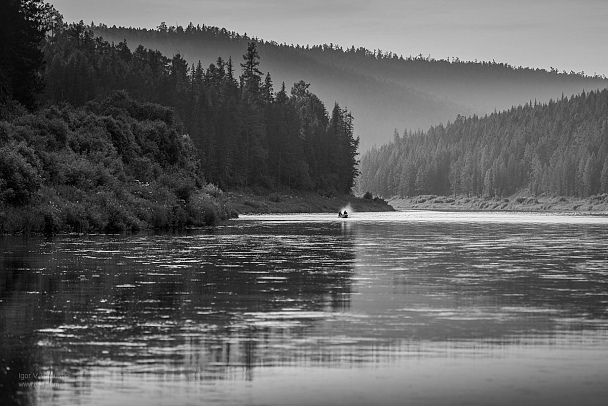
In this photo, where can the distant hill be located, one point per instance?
(558, 148)
(383, 91)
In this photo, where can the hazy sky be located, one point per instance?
(565, 34)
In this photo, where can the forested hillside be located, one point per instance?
(557, 148)
(96, 137)
(245, 133)
(382, 90)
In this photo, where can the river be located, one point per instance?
(415, 307)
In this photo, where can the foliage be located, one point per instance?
(112, 165)
(557, 148)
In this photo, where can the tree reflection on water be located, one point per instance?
(194, 303)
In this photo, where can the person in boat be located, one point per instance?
(342, 213)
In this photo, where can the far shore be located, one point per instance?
(291, 201)
(594, 205)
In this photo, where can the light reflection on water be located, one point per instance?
(387, 308)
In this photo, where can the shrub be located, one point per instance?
(19, 177)
(213, 190)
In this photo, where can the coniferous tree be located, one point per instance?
(23, 24)
(251, 79)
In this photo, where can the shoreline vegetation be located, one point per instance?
(275, 202)
(293, 201)
(115, 165)
(593, 205)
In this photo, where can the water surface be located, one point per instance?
(388, 308)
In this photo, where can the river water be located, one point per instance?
(416, 308)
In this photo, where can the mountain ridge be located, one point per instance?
(383, 91)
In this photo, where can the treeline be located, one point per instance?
(421, 62)
(204, 33)
(557, 148)
(246, 134)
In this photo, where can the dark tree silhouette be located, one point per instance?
(23, 24)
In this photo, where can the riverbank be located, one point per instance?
(291, 201)
(595, 205)
(138, 208)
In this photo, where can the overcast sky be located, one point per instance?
(565, 34)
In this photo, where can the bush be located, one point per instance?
(274, 197)
(368, 196)
(72, 170)
(213, 190)
(19, 177)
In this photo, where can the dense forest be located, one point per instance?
(246, 134)
(96, 137)
(559, 148)
(382, 90)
